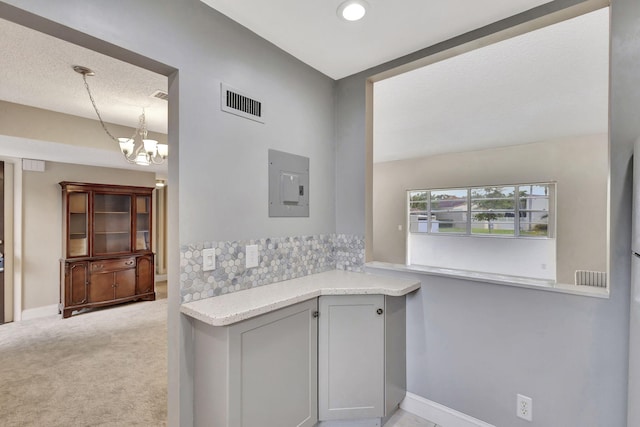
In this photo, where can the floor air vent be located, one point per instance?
(235, 102)
(591, 278)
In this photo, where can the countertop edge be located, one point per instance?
(298, 295)
(227, 320)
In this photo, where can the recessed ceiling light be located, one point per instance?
(352, 10)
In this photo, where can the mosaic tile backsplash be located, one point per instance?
(280, 258)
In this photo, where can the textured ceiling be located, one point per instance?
(543, 85)
(312, 32)
(36, 70)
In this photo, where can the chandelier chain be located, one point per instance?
(95, 107)
(144, 152)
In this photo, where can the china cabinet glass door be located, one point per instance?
(112, 223)
(143, 221)
(78, 233)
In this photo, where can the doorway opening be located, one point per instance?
(69, 140)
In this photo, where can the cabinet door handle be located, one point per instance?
(315, 314)
(130, 262)
(380, 311)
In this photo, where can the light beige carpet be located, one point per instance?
(105, 367)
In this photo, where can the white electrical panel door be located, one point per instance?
(351, 357)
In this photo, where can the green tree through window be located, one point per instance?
(492, 203)
(521, 210)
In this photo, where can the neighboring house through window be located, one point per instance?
(521, 210)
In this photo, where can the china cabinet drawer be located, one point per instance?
(112, 265)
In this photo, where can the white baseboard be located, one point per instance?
(369, 422)
(161, 277)
(44, 311)
(439, 414)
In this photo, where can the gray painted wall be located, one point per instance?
(218, 173)
(473, 346)
(223, 158)
(625, 129)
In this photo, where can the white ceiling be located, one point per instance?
(544, 85)
(312, 32)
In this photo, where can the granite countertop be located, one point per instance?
(237, 306)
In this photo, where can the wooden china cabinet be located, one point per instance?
(107, 257)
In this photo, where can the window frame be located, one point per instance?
(517, 223)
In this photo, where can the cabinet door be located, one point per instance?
(111, 223)
(101, 287)
(351, 357)
(77, 228)
(76, 283)
(143, 223)
(144, 272)
(125, 283)
(273, 369)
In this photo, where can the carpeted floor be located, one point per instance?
(105, 367)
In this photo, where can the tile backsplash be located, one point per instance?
(280, 258)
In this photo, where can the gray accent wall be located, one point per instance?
(218, 161)
(223, 158)
(625, 129)
(472, 346)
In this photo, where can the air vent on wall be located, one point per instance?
(234, 102)
(33, 165)
(160, 94)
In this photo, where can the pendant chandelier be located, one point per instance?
(141, 151)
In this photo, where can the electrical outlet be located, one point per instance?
(524, 407)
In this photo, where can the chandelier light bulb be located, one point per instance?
(142, 159)
(163, 150)
(126, 145)
(150, 146)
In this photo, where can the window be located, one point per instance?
(522, 210)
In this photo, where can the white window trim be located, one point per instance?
(551, 225)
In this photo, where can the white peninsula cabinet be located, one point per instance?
(326, 350)
(362, 362)
(258, 372)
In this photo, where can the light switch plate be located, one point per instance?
(208, 259)
(251, 256)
